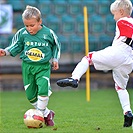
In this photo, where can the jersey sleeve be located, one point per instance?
(16, 45)
(125, 28)
(56, 46)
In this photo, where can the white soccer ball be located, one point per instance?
(33, 118)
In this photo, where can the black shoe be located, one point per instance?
(128, 118)
(68, 82)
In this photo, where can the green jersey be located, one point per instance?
(39, 48)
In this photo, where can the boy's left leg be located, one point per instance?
(79, 70)
(48, 114)
(44, 91)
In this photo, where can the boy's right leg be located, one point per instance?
(29, 83)
(128, 119)
(125, 103)
(121, 77)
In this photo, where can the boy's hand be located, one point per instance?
(55, 65)
(2, 52)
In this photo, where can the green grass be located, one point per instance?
(73, 113)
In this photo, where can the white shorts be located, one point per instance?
(118, 60)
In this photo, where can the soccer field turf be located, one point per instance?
(73, 114)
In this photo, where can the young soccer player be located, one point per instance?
(117, 57)
(37, 45)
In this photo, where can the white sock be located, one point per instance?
(80, 69)
(124, 100)
(42, 105)
(46, 112)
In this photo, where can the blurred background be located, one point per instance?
(66, 18)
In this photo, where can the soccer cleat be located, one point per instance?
(68, 82)
(128, 118)
(49, 119)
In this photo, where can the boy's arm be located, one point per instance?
(56, 47)
(16, 45)
(6, 51)
(55, 65)
(125, 28)
(2, 52)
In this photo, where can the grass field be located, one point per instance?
(103, 114)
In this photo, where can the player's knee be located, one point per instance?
(89, 58)
(117, 88)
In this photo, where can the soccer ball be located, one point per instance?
(33, 118)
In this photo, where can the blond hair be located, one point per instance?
(126, 5)
(31, 12)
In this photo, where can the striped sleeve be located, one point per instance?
(16, 45)
(56, 46)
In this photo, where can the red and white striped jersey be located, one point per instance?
(124, 30)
